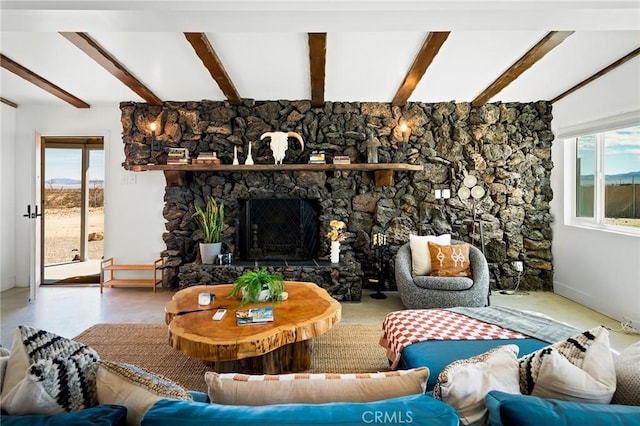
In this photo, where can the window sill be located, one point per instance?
(620, 230)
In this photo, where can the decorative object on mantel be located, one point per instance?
(249, 160)
(317, 157)
(207, 158)
(235, 156)
(372, 149)
(210, 220)
(258, 286)
(178, 156)
(280, 143)
(336, 234)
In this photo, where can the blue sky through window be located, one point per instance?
(622, 152)
(61, 163)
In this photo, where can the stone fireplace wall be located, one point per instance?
(506, 146)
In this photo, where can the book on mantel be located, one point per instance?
(254, 316)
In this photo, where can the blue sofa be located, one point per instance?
(414, 409)
(525, 410)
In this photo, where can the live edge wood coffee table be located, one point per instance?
(282, 346)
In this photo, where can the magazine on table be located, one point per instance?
(254, 316)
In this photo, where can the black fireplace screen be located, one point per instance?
(278, 229)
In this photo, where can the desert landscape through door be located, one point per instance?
(73, 195)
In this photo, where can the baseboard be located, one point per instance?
(587, 300)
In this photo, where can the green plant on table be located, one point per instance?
(210, 220)
(249, 286)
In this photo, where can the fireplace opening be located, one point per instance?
(278, 229)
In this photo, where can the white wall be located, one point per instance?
(595, 268)
(133, 211)
(8, 208)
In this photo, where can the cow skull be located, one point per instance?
(280, 143)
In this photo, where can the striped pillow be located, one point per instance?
(48, 374)
(243, 389)
(577, 369)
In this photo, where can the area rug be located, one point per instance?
(343, 349)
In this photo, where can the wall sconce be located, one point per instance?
(155, 146)
(405, 136)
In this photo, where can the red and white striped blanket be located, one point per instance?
(403, 328)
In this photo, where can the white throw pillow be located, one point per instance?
(463, 384)
(420, 257)
(577, 369)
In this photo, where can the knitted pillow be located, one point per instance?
(243, 389)
(4, 360)
(449, 261)
(463, 384)
(627, 366)
(135, 388)
(420, 259)
(48, 374)
(577, 369)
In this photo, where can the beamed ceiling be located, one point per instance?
(85, 53)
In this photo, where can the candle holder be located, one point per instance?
(380, 249)
(235, 156)
(249, 160)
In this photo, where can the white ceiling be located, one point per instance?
(263, 46)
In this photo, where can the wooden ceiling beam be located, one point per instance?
(430, 48)
(41, 82)
(317, 66)
(96, 52)
(8, 102)
(537, 52)
(599, 74)
(212, 63)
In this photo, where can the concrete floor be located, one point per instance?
(68, 310)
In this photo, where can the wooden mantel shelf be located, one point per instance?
(274, 167)
(175, 173)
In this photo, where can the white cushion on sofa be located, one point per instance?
(463, 384)
(420, 257)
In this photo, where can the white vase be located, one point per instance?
(209, 251)
(335, 251)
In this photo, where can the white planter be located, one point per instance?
(335, 251)
(209, 251)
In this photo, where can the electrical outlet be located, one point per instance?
(132, 178)
(630, 325)
(517, 265)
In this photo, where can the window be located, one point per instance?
(607, 184)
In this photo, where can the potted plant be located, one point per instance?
(210, 220)
(258, 286)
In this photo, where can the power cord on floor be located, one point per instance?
(515, 290)
(626, 326)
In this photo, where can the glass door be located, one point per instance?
(73, 209)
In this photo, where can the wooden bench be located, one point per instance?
(107, 265)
